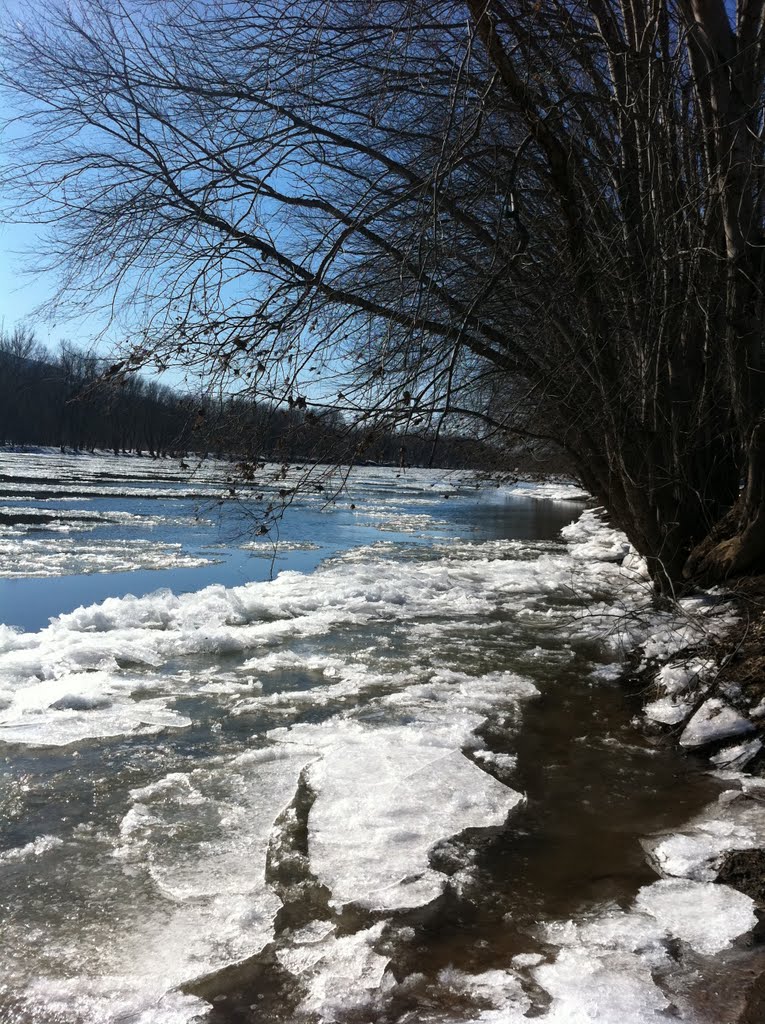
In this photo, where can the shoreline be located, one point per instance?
(707, 700)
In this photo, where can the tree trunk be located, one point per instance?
(736, 545)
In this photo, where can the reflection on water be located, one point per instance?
(217, 531)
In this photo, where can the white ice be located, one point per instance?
(342, 974)
(384, 801)
(706, 915)
(738, 755)
(37, 848)
(201, 838)
(71, 707)
(714, 721)
(22, 557)
(389, 785)
(734, 822)
(667, 711)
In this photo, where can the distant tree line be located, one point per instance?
(62, 400)
(70, 400)
(255, 431)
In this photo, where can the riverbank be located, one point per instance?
(705, 697)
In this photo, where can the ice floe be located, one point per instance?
(714, 721)
(37, 848)
(738, 755)
(735, 822)
(562, 490)
(706, 915)
(71, 556)
(668, 710)
(342, 973)
(71, 707)
(383, 800)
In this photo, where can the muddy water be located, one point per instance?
(595, 785)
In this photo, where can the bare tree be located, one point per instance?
(541, 213)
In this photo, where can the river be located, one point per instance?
(381, 770)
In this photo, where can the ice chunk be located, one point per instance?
(384, 799)
(495, 989)
(36, 848)
(69, 556)
(219, 827)
(734, 823)
(505, 762)
(547, 490)
(695, 855)
(108, 1000)
(522, 960)
(609, 986)
(591, 539)
(611, 930)
(714, 721)
(602, 971)
(678, 678)
(202, 839)
(738, 755)
(83, 705)
(275, 548)
(705, 915)
(306, 947)
(343, 974)
(608, 673)
(667, 711)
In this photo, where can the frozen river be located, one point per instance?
(381, 772)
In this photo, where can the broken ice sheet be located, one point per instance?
(21, 558)
(341, 973)
(609, 986)
(200, 840)
(83, 705)
(600, 971)
(108, 1000)
(668, 711)
(384, 798)
(735, 822)
(738, 755)
(714, 721)
(206, 832)
(189, 881)
(706, 915)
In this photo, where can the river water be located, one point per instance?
(379, 771)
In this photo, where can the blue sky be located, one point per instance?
(22, 292)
